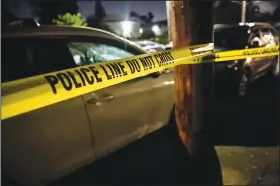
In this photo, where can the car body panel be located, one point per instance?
(46, 143)
(137, 108)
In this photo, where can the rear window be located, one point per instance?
(231, 38)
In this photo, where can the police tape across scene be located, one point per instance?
(25, 95)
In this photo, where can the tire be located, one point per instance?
(244, 82)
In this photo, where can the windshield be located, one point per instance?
(231, 38)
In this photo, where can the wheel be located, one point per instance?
(244, 83)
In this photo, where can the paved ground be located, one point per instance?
(246, 135)
(249, 165)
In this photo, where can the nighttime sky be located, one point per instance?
(121, 9)
(114, 9)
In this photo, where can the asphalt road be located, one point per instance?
(161, 159)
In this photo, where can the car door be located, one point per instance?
(44, 144)
(125, 112)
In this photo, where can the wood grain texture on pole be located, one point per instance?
(180, 23)
(191, 24)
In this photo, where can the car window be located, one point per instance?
(86, 53)
(231, 38)
(27, 57)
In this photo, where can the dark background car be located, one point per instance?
(234, 77)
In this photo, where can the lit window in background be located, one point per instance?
(141, 30)
(127, 28)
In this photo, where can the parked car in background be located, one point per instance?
(240, 74)
(48, 143)
(242, 36)
(150, 46)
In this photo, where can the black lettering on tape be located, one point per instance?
(81, 77)
(89, 79)
(111, 70)
(170, 56)
(106, 73)
(146, 62)
(76, 84)
(130, 66)
(151, 61)
(136, 65)
(133, 66)
(162, 59)
(95, 73)
(116, 69)
(157, 60)
(165, 58)
(122, 68)
(52, 80)
(62, 77)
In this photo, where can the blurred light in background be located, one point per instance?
(141, 30)
(156, 30)
(127, 28)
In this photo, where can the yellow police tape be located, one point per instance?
(29, 94)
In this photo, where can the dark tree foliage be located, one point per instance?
(145, 19)
(94, 22)
(48, 10)
(100, 13)
(97, 20)
(146, 22)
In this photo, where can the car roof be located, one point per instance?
(249, 24)
(55, 30)
(18, 31)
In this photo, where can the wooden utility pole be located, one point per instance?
(192, 24)
(243, 12)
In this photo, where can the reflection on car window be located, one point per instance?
(231, 38)
(86, 53)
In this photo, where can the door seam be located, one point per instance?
(90, 127)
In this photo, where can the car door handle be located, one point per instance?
(100, 99)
